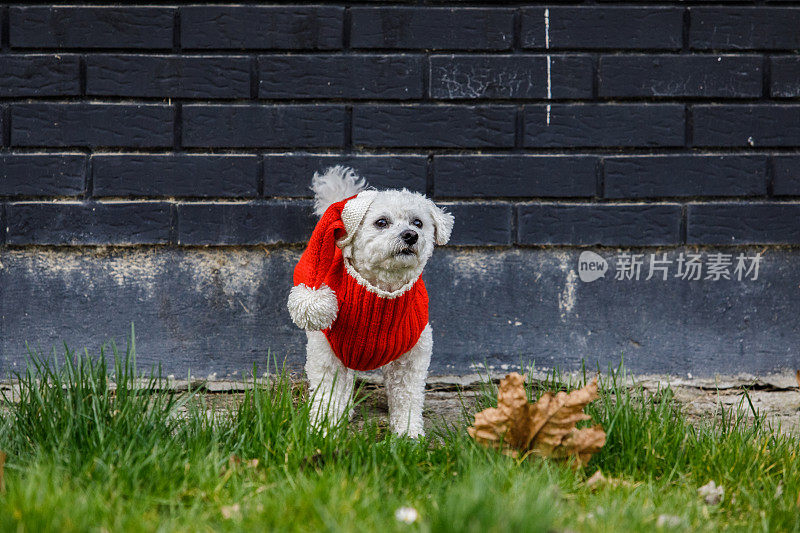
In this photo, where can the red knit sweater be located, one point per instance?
(372, 330)
(372, 327)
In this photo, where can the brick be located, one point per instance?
(262, 27)
(175, 175)
(91, 27)
(39, 75)
(622, 28)
(435, 126)
(290, 174)
(88, 223)
(513, 76)
(268, 126)
(93, 125)
(743, 223)
(746, 125)
(168, 76)
(481, 224)
(432, 28)
(744, 28)
(785, 77)
(514, 176)
(42, 174)
(606, 225)
(673, 75)
(358, 76)
(250, 223)
(786, 175)
(685, 175)
(605, 125)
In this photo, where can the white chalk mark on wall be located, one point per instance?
(547, 47)
(566, 299)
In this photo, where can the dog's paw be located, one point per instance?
(416, 434)
(312, 309)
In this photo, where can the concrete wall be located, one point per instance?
(155, 164)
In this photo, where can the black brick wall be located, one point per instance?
(589, 123)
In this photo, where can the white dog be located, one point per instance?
(358, 294)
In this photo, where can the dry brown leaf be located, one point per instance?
(546, 428)
(797, 377)
(509, 424)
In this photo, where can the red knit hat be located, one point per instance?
(312, 303)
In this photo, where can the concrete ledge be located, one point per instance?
(209, 311)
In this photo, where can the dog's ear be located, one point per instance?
(442, 223)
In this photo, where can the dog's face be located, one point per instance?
(396, 238)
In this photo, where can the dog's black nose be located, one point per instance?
(409, 236)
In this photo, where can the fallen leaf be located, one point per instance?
(546, 428)
(711, 493)
(510, 424)
(2, 471)
(797, 377)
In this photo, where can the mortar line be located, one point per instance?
(173, 223)
(689, 126)
(177, 130)
(429, 177)
(683, 224)
(346, 23)
(260, 178)
(547, 47)
(176, 31)
(685, 37)
(5, 25)
(254, 78)
(770, 170)
(4, 222)
(88, 182)
(348, 128)
(601, 178)
(82, 75)
(5, 136)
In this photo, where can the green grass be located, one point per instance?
(82, 457)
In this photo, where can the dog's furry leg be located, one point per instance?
(330, 382)
(404, 380)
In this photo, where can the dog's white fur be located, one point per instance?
(387, 263)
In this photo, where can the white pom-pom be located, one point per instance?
(312, 309)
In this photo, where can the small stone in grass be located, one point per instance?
(711, 493)
(407, 515)
(229, 511)
(598, 480)
(669, 520)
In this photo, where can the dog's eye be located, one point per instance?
(417, 222)
(381, 223)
